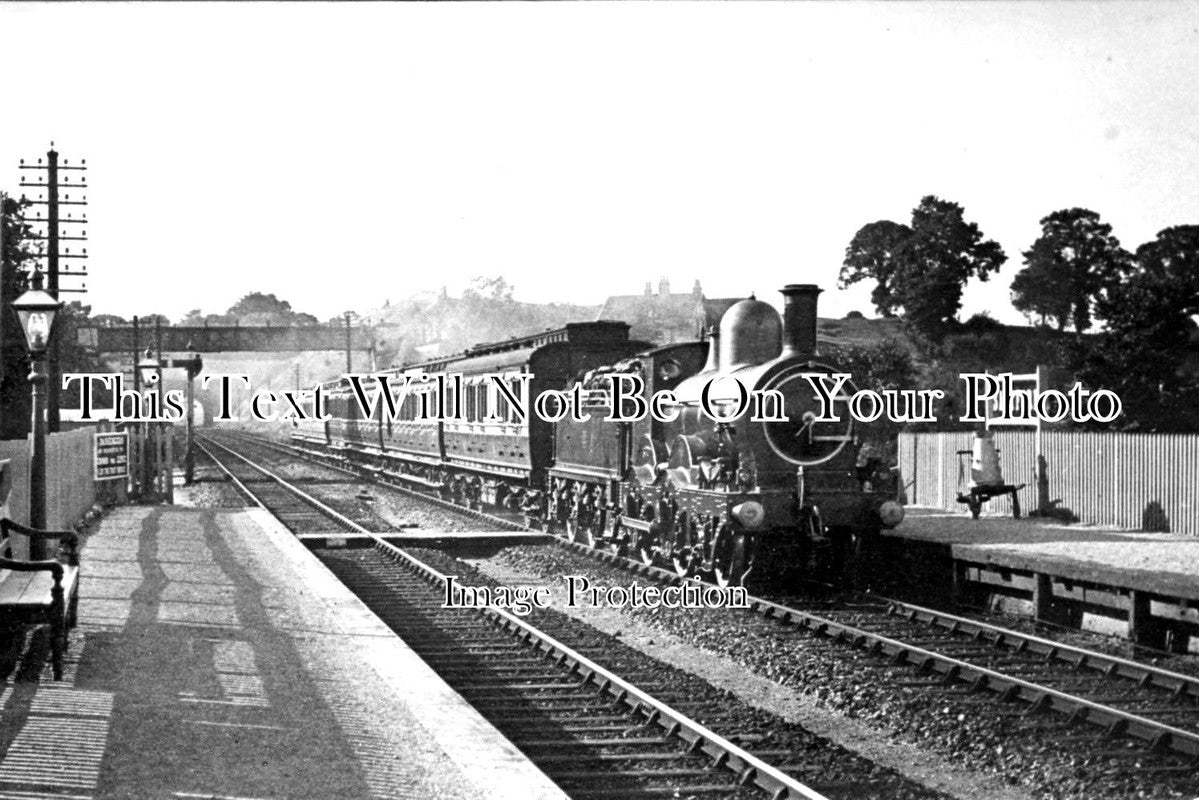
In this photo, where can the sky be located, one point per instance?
(342, 154)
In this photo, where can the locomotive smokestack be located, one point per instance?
(799, 318)
(713, 349)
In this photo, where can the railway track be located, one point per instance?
(1153, 706)
(595, 733)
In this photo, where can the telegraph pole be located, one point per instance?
(49, 185)
(143, 427)
(163, 474)
(4, 300)
(349, 344)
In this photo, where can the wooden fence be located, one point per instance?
(1138, 481)
(70, 488)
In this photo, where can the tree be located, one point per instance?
(16, 262)
(257, 308)
(147, 321)
(1144, 354)
(1173, 259)
(109, 320)
(921, 269)
(73, 357)
(943, 252)
(882, 365)
(1075, 262)
(871, 254)
(495, 289)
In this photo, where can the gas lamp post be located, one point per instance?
(37, 310)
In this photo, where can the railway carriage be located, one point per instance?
(410, 443)
(492, 453)
(455, 432)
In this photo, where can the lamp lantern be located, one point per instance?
(37, 309)
(148, 365)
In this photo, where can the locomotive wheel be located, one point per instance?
(618, 545)
(581, 534)
(618, 548)
(733, 559)
(645, 548)
(681, 552)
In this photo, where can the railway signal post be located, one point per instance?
(192, 364)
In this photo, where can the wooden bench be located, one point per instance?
(40, 592)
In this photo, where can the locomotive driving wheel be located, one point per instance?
(644, 545)
(732, 557)
(618, 545)
(681, 554)
(582, 530)
(661, 530)
(591, 536)
(589, 519)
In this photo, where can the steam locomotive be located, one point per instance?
(709, 494)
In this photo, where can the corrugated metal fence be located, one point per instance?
(1140, 481)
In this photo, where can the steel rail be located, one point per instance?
(699, 738)
(1159, 735)
(386, 479)
(341, 518)
(236, 480)
(1117, 722)
(1110, 665)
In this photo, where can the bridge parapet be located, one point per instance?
(225, 339)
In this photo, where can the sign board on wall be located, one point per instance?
(112, 456)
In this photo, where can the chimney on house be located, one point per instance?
(713, 349)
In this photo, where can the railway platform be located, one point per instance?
(216, 658)
(1069, 574)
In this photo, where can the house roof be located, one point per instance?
(686, 315)
(631, 307)
(714, 308)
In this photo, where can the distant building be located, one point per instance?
(664, 318)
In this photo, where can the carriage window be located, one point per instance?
(514, 386)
